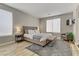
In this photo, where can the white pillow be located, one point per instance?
(37, 31)
(31, 32)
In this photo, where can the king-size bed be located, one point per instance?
(31, 34)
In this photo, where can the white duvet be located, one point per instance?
(44, 37)
(28, 36)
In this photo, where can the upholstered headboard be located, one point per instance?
(26, 28)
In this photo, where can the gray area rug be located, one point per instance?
(59, 48)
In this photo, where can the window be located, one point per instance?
(49, 27)
(53, 25)
(5, 23)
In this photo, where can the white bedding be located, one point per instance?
(28, 36)
(44, 36)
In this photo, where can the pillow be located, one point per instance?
(37, 31)
(31, 32)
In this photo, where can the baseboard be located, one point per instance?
(2, 44)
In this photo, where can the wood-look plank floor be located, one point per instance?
(17, 49)
(75, 50)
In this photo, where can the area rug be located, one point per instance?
(59, 48)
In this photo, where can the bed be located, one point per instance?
(31, 34)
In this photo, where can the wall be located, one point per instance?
(64, 27)
(76, 25)
(19, 19)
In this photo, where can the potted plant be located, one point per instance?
(70, 36)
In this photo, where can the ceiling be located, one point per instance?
(41, 10)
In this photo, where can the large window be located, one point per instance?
(53, 25)
(5, 23)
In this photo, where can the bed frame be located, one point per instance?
(25, 30)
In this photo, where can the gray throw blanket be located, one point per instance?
(37, 37)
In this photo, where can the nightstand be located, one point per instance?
(19, 37)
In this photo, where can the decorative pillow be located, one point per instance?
(31, 32)
(37, 31)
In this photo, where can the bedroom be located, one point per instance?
(36, 16)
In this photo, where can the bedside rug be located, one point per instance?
(59, 48)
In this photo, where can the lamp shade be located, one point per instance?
(18, 29)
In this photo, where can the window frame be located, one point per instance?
(55, 26)
(9, 25)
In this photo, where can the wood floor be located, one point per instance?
(75, 49)
(18, 49)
